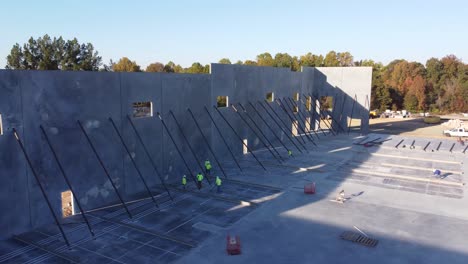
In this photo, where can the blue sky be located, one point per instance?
(206, 31)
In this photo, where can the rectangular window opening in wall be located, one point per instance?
(294, 128)
(142, 109)
(1, 125)
(354, 123)
(309, 103)
(67, 204)
(326, 107)
(245, 150)
(295, 109)
(222, 101)
(296, 97)
(326, 103)
(270, 97)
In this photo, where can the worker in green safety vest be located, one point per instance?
(184, 181)
(289, 153)
(199, 180)
(218, 184)
(208, 167)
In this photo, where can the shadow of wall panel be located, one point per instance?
(14, 191)
(277, 81)
(297, 88)
(57, 100)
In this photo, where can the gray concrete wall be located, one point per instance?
(58, 99)
(14, 191)
(344, 85)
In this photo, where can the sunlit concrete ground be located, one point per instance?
(394, 198)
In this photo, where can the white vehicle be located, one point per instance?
(456, 132)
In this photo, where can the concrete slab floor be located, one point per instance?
(417, 219)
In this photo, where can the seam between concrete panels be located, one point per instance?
(162, 148)
(26, 171)
(121, 131)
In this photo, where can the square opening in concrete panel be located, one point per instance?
(142, 109)
(354, 123)
(326, 103)
(295, 109)
(308, 103)
(270, 96)
(296, 97)
(1, 125)
(67, 204)
(222, 101)
(294, 128)
(307, 124)
(325, 106)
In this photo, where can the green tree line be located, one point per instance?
(441, 85)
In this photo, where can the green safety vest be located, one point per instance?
(208, 165)
(289, 152)
(184, 180)
(218, 181)
(200, 177)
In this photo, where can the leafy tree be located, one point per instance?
(196, 68)
(419, 89)
(265, 59)
(296, 65)
(307, 60)
(345, 59)
(206, 69)
(172, 67)
(397, 98)
(46, 53)
(126, 65)
(155, 67)
(225, 61)
(397, 73)
(88, 59)
(462, 92)
(381, 98)
(433, 75)
(411, 102)
(416, 88)
(250, 62)
(450, 66)
(168, 68)
(331, 59)
(283, 60)
(433, 70)
(16, 58)
(311, 60)
(239, 62)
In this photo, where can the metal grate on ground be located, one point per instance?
(359, 239)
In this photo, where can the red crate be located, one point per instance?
(309, 188)
(233, 246)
